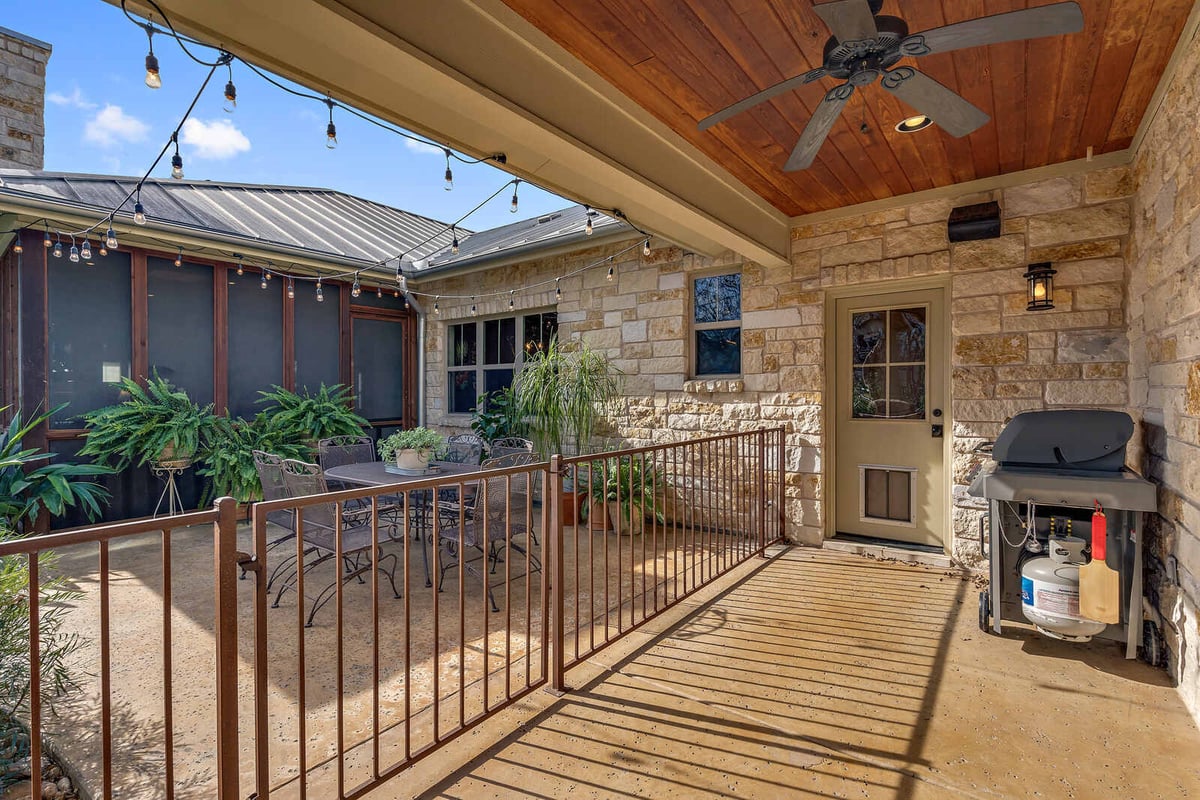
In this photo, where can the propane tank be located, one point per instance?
(1050, 592)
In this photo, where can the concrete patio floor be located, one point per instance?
(821, 674)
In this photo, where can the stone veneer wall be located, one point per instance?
(22, 100)
(1164, 329)
(1005, 359)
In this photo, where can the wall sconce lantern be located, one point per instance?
(1041, 286)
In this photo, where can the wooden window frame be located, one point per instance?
(480, 349)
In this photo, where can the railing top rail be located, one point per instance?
(104, 532)
(583, 459)
(364, 492)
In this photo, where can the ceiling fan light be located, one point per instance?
(914, 124)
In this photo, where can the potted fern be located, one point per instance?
(412, 449)
(623, 493)
(228, 456)
(157, 424)
(310, 417)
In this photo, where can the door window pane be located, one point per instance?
(379, 368)
(869, 392)
(718, 351)
(90, 327)
(255, 341)
(318, 334)
(908, 334)
(869, 336)
(907, 393)
(181, 332)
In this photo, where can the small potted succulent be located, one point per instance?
(412, 449)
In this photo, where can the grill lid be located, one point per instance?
(1074, 439)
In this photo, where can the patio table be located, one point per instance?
(374, 473)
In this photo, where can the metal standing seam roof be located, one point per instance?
(322, 221)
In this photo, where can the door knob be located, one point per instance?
(937, 413)
(935, 431)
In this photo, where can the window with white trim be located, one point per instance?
(484, 355)
(717, 325)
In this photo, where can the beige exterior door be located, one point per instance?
(890, 419)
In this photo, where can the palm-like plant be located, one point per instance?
(310, 416)
(228, 455)
(155, 423)
(562, 392)
(26, 489)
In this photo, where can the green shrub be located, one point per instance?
(157, 422)
(228, 456)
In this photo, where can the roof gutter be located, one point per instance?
(516, 255)
(84, 214)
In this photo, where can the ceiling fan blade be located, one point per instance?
(1013, 26)
(949, 111)
(818, 128)
(848, 20)
(761, 97)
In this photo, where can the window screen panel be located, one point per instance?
(255, 341)
(90, 343)
(180, 302)
(379, 368)
(318, 357)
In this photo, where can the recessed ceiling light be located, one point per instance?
(914, 124)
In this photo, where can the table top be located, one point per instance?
(372, 473)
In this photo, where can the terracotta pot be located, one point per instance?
(570, 506)
(625, 525)
(598, 520)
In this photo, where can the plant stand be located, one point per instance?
(169, 472)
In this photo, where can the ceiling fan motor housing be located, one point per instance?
(867, 58)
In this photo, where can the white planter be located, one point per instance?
(412, 459)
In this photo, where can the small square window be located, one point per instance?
(716, 323)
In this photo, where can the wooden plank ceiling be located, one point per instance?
(1049, 99)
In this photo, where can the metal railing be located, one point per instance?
(494, 596)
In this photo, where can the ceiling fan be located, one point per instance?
(865, 48)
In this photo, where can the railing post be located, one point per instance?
(762, 492)
(554, 539)
(226, 569)
(782, 469)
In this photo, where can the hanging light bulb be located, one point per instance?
(557, 291)
(230, 93)
(436, 308)
(356, 289)
(110, 239)
(395, 292)
(58, 251)
(153, 79)
(139, 212)
(449, 173)
(177, 166)
(330, 129)
(103, 248)
(512, 208)
(474, 309)
(241, 269)
(291, 289)
(609, 276)
(587, 228)
(269, 275)
(74, 256)
(85, 252)
(511, 301)
(454, 242)
(262, 284)
(407, 307)
(646, 248)
(179, 258)
(379, 292)
(46, 239)
(17, 248)
(320, 292)
(403, 281)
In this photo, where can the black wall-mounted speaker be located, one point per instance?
(980, 221)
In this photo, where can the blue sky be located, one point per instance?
(101, 118)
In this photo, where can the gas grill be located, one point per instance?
(1048, 470)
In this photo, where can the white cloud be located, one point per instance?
(112, 125)
(218, 139)
(422, 147)
(74, 99)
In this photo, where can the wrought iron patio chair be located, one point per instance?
(509, 445)
(464, 448)
(270, 478)
(318, 527)
(490, 522)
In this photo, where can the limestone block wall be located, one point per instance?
(22, 100)
(1164, 330)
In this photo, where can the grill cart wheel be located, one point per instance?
(985, 612)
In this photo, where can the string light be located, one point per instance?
(269, 275)
(103, 249)
(453, 241)
(320, 292)
(587, 228)
(557, 291)
(513, 207)
(46, 239)
(110, 239)
(241, 270)
(609, 276)
(176, 160)
(179, 258)
(646, 248)
(291, 289)
(230, 92)
(511, 299)
(74, 256)
(262, 284)
(449, 173)
(85, 252)
(58, 249)
(139, 211)
(436, 308)
(356, 289)
(330, 129)
(379, 292)
(17, 248)
(474, 308)
(153, 79)
(396, 293)
(407, 307)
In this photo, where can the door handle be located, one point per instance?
(936, 431)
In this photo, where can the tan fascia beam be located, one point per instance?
(25, 211)
(478, 77)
